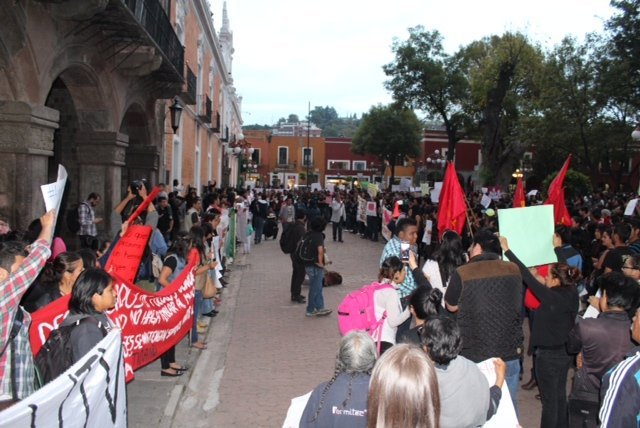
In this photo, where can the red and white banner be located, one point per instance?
(125, 258)
(151, 323)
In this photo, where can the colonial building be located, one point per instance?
(292, 158)
(88, 84)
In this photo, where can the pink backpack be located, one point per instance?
(357, 312)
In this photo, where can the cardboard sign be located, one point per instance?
(529, 231)
(371, 208)
(125, 258)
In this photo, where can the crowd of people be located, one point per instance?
(451, 301)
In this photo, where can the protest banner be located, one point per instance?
(428, 230)
(151, 323)
(126, 254)
(435, 193)
(91, 393)
(425, 189)
(529, 231)
(631, 207)
(230, 238)
(373, 189)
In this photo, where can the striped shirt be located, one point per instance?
(621, 389)
(11, 291)
(392, 248)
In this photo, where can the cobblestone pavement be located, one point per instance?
(263, 351)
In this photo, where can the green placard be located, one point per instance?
(529, 232)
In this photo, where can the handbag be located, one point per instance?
(209, 291)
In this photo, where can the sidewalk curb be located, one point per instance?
(199, 396)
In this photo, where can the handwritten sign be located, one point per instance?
(371, 208)
(127, 253)
(53, 192)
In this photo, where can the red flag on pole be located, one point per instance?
(518, 196)
(453, 207)
(555, 196)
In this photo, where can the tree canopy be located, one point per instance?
(389, 132)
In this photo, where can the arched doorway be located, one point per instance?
(139, 160)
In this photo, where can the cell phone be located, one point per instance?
(405, 247)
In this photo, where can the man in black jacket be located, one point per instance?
(298, 274)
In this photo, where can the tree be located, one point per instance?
(502, 74)
(293, 118)
(389, 132)
(424, 77)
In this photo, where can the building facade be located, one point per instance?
(88, 84)
(293, 159)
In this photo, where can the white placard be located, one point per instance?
(435, 193)
(428, 229)
(485, 201)
(90, 393)
(532, 192)
(315, 186)
(631, 207)
(505, 415)
(53, 192)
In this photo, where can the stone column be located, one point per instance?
(143, 162)
(26, 143)
(101, 156)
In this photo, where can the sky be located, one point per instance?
(289, 53)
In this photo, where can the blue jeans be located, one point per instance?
(513, 380)
(197, 302)
(315, 301)
(259, 229)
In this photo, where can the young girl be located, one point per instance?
(393, 272)
(91, 297)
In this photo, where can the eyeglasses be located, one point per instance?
(631, 267)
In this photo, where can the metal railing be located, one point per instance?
(205, 112)
(189, 95)
(155, 21)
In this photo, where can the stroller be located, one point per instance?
(270, 229)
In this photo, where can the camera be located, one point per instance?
(136, 185)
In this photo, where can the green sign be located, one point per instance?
(529, 232)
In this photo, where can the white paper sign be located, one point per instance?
(532, 192)
(428, 229)
(91, 393)
(631, 207)
(485, 201)
(331, 187)
(435, 193)
(405, 184)
(505, 415)
(53, 192)
(315, 186)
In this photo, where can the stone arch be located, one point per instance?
(142, 156)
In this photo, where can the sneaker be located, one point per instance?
(323, 312)
(311, 314)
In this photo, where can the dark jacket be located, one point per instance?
(489, 296)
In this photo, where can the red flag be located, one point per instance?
(555, 196)
(453, 207)
(518, 197)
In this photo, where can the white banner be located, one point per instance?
(53, 192)
(90, 394)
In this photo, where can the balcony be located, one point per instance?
(188, 94)
(215, 127)
(204, 111)
(135, 36)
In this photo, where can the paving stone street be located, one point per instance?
(263, 351)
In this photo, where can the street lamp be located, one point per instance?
(517, 174)
(176, 114)
(436, 159)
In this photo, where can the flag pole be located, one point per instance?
(466, 213)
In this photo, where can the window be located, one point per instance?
(255, 156)
(339, 164)
(283, 155)
(359, 165)
(307, 156)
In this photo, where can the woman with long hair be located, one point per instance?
(558, 296)
(174, 263)
(58, 276)
(403, 391)
(342, 401)
(445, 261)
(197, 240)
(91, 297)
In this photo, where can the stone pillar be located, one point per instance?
(101, 156)
(26, 143)
(143, 162)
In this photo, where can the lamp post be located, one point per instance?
(241, 149)
(635, 136)
(176, 114)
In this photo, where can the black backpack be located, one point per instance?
(287, 245)
(306, 250)
(73, 218)
(56, 355)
